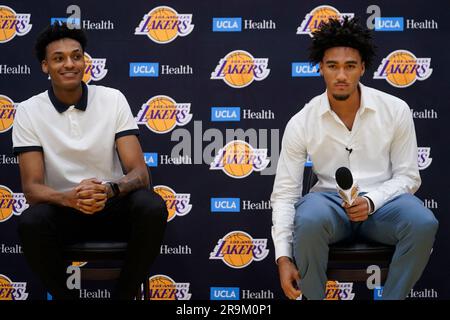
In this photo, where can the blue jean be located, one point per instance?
(320, 220)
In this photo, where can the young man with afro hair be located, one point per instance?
(371, 133)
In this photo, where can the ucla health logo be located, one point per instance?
(95, 68)
(305, 69)
(319, 16)
(227, 24)
(401, 68)
(239, 69)
(224, 293)
(144, 69)
(163, 24)
(221, 114)
(238, 249)
(11, 203)
(177, 203)
(13, 24)
(238, 159)
(225, 204)
(10, 290)
(151, 159)
(378, 293)
(424, 157)
(163, 287)
(389, 24)
(161, 114)
(7, 113)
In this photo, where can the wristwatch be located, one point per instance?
(114, 187)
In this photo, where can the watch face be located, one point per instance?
(115, 188)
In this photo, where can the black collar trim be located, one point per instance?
(61, 107)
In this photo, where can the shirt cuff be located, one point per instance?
(369, 204)
(283, 250)
(130, 132)
(377, 199)
(18, 150)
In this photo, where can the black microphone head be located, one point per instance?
(344, 178)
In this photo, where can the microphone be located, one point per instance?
(347, 189)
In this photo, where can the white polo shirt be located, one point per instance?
(78, 141)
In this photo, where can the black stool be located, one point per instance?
(349, 261)
(100, 251)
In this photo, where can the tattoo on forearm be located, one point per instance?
(132, 181)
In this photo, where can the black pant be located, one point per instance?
(138, 218)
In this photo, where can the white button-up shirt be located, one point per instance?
(383, 160)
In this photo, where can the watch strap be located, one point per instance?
(115, 188)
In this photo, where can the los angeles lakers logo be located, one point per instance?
(319, 16)
(95, 68)
(163, 24)
(402, 68)
(10, 290)
(177, 203)
(161, 114)
(424, 160)
(337, 291)
(238, 159)
(79, 264)
(11, 203)
(238, 249)
(239, 69)
(13, 24)
(163, 287)
(7, 113)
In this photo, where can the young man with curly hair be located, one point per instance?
(371, 133)
(74, 142)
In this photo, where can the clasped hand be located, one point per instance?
(358, 211)
(89, 196)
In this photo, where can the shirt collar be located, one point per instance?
(366, 101)
(61, 107)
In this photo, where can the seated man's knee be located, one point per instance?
(159, 206)
(149, 204)
(310, 222)
(427, 225)
(33, 219)
(311, 210)
(420, 221)
(308, 225)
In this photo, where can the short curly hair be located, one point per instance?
(348, 33)
(54, 32)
